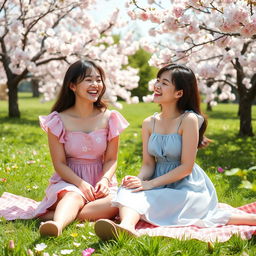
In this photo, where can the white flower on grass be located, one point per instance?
(80, 225)
(76, 244)
(46, 254)
(84, 237)
(66, 252)
(91, 234)
(40, 247)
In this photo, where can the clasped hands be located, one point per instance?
(135, 183)
(101, 190)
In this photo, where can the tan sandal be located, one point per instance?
(106, 230)
(50, 228)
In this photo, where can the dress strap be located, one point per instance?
(154, 121)
(181, 119)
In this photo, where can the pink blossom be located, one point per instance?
(135, 100)
(148, 98)
(30, 252)
(178, 11)
(193, 28)
(132, 15)
(154, 17)
(152, 32)
(88, 252)
(220, 169)
(11, 245)
(143, 16)
(248, 30)
(223, 42)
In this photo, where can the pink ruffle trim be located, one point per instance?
(54, 123)
(117, 123)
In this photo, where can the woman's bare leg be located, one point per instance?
(239, 219)
(129, 218)
(68, 208)
(47, 216)
(98, 209)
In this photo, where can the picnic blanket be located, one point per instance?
(18, 207)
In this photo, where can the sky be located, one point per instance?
(104, 8)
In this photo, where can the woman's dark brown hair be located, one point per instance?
(75, 74)
(183, 78)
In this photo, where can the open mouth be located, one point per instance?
(157, 94)
(93, 92)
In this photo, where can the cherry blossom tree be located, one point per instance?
(40, 38)
(216, 38)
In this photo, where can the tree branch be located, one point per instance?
(210, 58)
(224, 81)
(135, 3)
(50, 59)
(203, 43)
(3, 4)
(218, 32)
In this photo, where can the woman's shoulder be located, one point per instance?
(191, 117)
(148, 121)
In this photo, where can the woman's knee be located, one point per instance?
(73, 196)
(97, 210)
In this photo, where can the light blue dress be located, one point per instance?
(190, 201)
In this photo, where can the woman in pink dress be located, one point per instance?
(83, 137)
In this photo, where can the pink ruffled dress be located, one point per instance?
(84, 154)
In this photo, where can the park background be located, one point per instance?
(34, 55)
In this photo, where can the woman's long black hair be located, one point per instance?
(75, 74)
(183, 78)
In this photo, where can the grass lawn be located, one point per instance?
(25, 168)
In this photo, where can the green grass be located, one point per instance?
(25, 164)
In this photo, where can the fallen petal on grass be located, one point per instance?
(221, 170)
(80, 225)
(40, 247)
(66, 252)
(31, 161)
(30, 252)
(11, 245)
(88, 251)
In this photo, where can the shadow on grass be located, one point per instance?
(230, 151)
(219, 114)
(19, 121)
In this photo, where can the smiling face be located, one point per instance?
(90, 88)
(164, 90)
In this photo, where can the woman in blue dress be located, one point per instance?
(171, 189)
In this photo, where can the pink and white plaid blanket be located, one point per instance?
(17, 207)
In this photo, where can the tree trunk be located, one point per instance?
(246, 98)
(209, 107)
(13, 100)
(245, 110)
(35, 88)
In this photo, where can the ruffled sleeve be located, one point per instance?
(116, 124)
(199, 118)
(55, 124)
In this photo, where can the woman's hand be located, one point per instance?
(87, 190)
(101, 188)
(135, 183)
(131, 182)
(144, 185)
